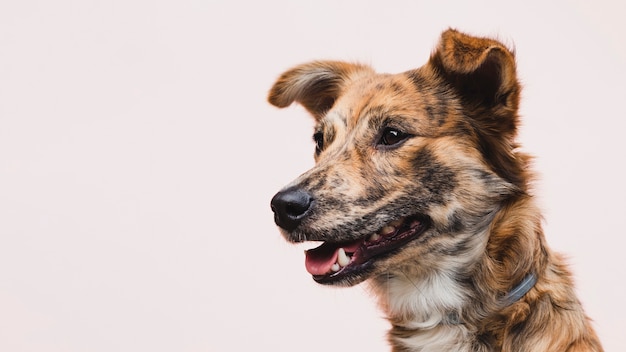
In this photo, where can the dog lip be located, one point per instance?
(369, 251)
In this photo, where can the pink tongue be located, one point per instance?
(319, 260)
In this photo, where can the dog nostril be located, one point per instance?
(296, 209)
(290, 207)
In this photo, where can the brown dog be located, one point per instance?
(419, 189)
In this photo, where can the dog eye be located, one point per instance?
(318, 138)
(392, 136)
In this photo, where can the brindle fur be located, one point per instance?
(461, 167)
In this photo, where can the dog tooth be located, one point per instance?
(387, 230)
(335, 267)
(342, 258)
(396, 223)
(374, 237)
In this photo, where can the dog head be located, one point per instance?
(410, 167)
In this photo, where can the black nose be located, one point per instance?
(290, 207)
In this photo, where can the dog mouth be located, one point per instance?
(335, 261)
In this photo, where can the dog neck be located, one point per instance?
(428, 315)
(511, 297)
(446, 308)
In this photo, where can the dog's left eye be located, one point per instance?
(392, 136)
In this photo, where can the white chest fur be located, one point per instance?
(420, 310)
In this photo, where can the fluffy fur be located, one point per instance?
(428, 159)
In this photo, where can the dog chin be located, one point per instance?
(346, 278)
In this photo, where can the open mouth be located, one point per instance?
(332, 262)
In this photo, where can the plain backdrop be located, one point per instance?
(138, 156)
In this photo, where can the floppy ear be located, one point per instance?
(482, 73)
(481, 70)
(315, 85)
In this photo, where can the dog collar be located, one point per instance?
(520, 290)
(511, 297)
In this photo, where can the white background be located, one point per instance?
(138, 156)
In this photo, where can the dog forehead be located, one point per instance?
(359, 94)
(375, 95)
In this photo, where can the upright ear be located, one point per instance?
(482, 72)
(315, 85)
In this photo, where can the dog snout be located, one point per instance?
(290, 207)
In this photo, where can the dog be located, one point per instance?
(420, 190)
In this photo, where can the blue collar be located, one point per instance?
(520, 290)
(511, 297)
